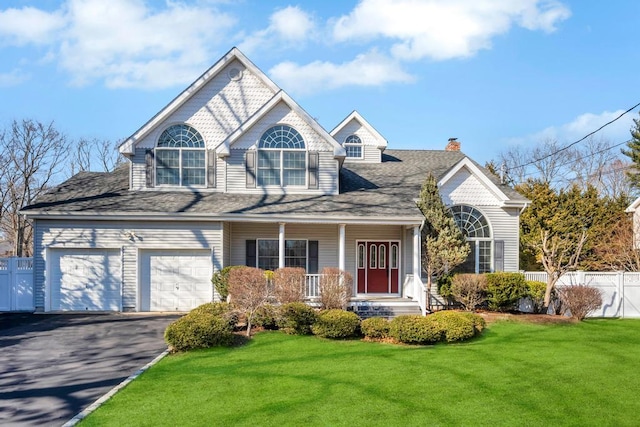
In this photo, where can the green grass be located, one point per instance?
(516, 374)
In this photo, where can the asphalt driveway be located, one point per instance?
(52, 366)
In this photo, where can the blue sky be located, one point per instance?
(492, 73)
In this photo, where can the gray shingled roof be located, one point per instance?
(386, 189)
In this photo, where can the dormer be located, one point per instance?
(361, 141)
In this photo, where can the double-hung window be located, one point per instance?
(180, 157)
(282, 157)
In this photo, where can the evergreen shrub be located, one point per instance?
(375, 328)
(296, 318)
(336, 324)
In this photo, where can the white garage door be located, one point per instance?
(85, 279)
(178, 280)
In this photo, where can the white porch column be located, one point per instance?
(341, 246)
(281, 245)
(417, 269)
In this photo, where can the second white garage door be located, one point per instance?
(177, 280)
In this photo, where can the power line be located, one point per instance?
(575, 142)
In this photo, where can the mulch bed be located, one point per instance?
(491, 317)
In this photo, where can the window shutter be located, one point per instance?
(313, 257)
(148, 162)
(211, 169)
(498, 255)
(251, 169)
(313, 170)
(251, 246)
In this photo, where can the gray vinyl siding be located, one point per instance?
(407, 249)
(138, 170)
(505, 227)
(326, 235)
(372, 154)
(327, 180)
(109, 234)
(226, 244)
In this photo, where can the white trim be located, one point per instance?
(368, 264)
(475, 171)
(342, 247)
(357, 117)
(224, 147)
(632, 208)
(298, 219)
(127, 147)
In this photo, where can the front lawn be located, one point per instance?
(515, 374)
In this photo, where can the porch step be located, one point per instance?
(388, 308)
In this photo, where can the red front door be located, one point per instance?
(377, 265)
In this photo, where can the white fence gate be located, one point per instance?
(16, 284)
(620, 290)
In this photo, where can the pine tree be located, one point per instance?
(633, 152)
(443, 244)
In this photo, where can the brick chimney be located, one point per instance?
(453, 145)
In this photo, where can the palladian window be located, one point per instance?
(476, 229)
(180, 157)
(353, 146)
(282, 158)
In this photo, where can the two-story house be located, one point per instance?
(234, 172)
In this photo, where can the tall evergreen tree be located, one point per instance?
(443, 244)
(633, 152)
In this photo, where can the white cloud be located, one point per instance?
(370, 69)
(29, 25)
(125, 43)
(13, 78)
(444, 29)
(582, 125)
(128, 44)
(288, 27)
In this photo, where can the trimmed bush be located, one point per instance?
(415, 329)
(266, 317)
(444, 287)
(336, 287)
(535, 291)
(579, 300)
(199, 330)
(336, 324)
(469, 289)
(457, 326)
(288, 284)
(504, 290)
(220, 281)
(296, 318)
(375, 328)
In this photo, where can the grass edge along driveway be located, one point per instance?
(515, 374)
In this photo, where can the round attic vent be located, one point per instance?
(235, 73)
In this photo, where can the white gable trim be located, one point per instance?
(357, 117)
(482, 177)
(127, 148)
(634, 206)
(223, 149)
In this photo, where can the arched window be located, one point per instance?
(180, 157)
(282, 157)
(353, 146)
(476, 229)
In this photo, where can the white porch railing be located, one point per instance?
(312, 286)
(416, 290)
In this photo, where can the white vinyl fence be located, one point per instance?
(16, 284)
(620, 290)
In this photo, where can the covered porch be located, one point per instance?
(382, 258)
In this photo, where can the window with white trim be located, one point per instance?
(361, 255)
(282, 157)
(295, 254)
(353, 146)
(180, 157)
(475, 228)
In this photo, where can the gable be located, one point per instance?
(464, 187)
(282, 113)
(219, 107)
